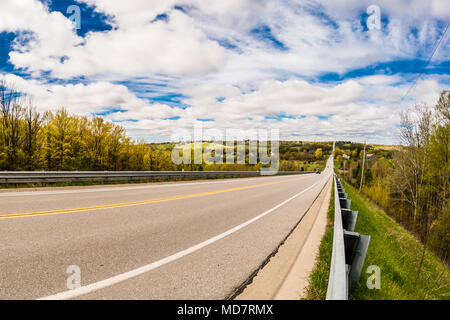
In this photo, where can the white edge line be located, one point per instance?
(136, 272)
(44, 193)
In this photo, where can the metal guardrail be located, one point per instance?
(349, 247)
(19, 177)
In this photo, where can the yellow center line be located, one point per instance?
(136, 203)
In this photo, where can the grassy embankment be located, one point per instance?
(393, 249)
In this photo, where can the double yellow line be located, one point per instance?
(136, 203)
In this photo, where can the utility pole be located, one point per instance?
(344, 168)
(362, 172)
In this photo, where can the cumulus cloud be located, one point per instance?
(134, 46)
(36, 47)
(187, 43)
(234, 64)
(90, 99)
(362, 109)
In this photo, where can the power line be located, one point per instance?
(426, 64)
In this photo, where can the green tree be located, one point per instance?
(11, 114)
(420, 179)
(32, 143)
(319, 154)
(59, 138)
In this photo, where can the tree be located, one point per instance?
(337, 152)
(11, 113)
(318, 154)
(60, 132)
(114, 147)
(30, 140)
(99, 131)
(32, 143)
(421, 172)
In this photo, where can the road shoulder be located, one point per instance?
(286, 274)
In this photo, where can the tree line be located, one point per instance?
(411, 181)
(51, 141)
(30, 140)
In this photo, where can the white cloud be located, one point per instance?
(175, 48)
(88, 99)
(362, 109)
(42, 49)
(135, 46)
(256, 79)
(181, 45)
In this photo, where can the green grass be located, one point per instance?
(398, 254)
(391, 248)
(318, 280)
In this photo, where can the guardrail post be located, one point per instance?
(345, 203)
(359, 255)
(351, 240)
(349, 219)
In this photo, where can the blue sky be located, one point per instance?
(312, 69)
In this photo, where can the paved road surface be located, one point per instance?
(186, 240)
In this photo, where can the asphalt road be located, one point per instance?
(186, 240)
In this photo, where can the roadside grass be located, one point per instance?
(393, 249)
(318, 280)
(397, 253)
